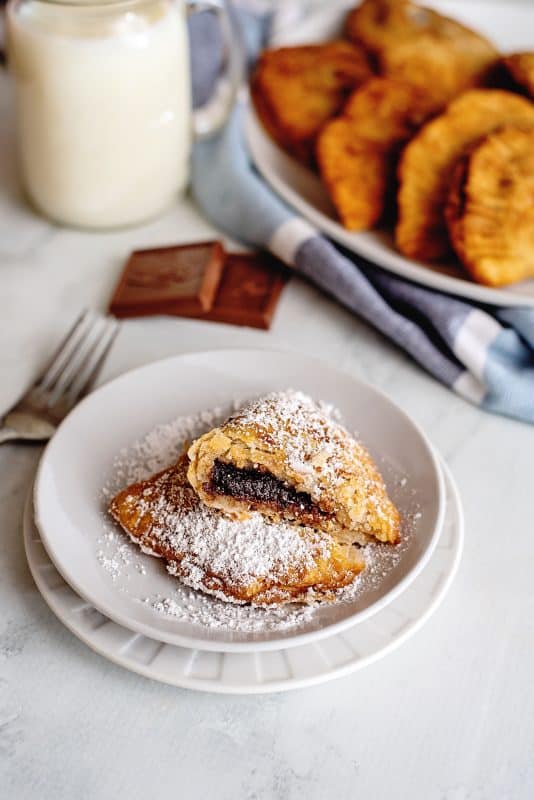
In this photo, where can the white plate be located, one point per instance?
(510, 25)
(69, 507)
(260, 672)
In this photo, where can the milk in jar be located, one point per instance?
(104, 107)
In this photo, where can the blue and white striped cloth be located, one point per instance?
(485, 355)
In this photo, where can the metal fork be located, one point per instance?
(66, 378)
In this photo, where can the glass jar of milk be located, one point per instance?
(104, 106)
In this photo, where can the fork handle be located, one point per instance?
(7, 435)
(11, 435)
(25, 425)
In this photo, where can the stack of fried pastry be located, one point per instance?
(271, 507)
(400, 147)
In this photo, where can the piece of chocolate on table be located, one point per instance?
(203, 282)
(249, 290)
(181, 280)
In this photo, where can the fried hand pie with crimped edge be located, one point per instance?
(378, 24)
(428, 159)
(295, 90)
(490, 208)
(419, 46)
(357, 152)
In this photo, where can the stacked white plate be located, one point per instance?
(106, 610)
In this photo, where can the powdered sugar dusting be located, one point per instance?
(120, 558)
(312, 443)
(217, 552)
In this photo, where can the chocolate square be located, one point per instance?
(249, 290)
(181, 280)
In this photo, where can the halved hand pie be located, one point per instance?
(283, 456)
(252, 561)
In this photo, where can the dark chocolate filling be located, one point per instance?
(259, 488)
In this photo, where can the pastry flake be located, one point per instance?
(295, 90)
(490, 208)
(283, 456)
(252, 561)
(428, 159)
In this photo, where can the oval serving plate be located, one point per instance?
(509, 26)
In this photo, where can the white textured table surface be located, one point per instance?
(449, 716)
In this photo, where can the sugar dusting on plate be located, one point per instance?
(120, 558)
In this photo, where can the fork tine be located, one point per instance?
(78, 356)
(93, 363)
(64, 352)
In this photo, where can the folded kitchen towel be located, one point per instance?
(485, 354)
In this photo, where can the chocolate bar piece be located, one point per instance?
(180, 280)
(249, 290)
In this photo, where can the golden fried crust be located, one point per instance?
(490, 208)
(286, 436)
(165, 517)
(356, 174)
(427, 161)
(295, 90)
(520, 67)
(421, 47)
(386, 110)
(441, 68)
(138, 517)
(455, 205)
(378, 24)
(357, 152)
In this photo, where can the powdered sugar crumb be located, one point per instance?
(114, 563)
(189, 606)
